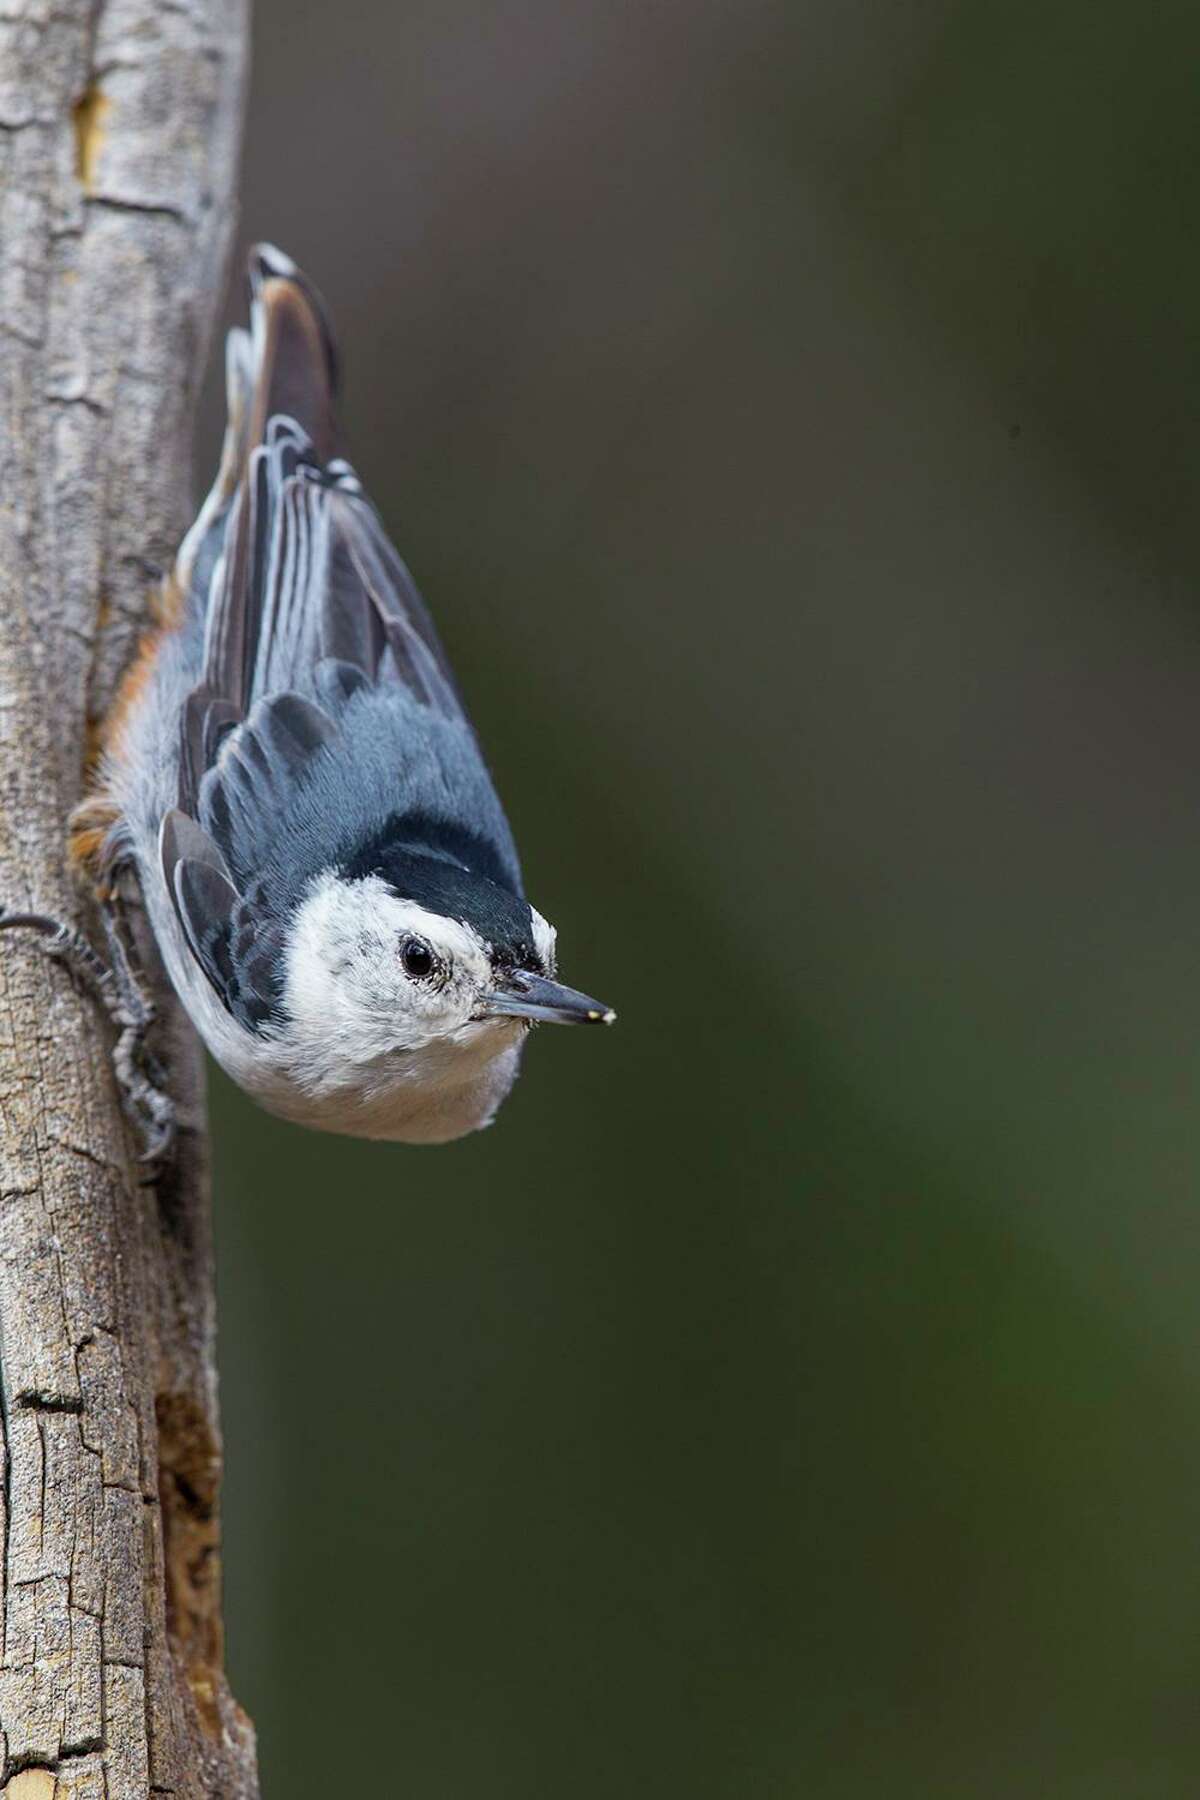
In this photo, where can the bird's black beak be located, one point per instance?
(525, 996)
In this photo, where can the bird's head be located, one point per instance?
(372, 971)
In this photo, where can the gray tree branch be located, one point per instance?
(119, 136)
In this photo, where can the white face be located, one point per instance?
(369, 974)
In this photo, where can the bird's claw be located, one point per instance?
(140, 1076)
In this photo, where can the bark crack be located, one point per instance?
(154, 209)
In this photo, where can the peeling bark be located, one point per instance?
(119, 128)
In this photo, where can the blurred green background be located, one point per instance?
(790, 413)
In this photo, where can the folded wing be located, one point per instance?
(305, 603)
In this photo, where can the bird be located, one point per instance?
(291, 774)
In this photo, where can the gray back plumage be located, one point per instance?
(327, 717)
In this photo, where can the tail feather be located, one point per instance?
(285, 364)
(296, 373)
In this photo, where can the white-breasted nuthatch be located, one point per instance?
(291, 773)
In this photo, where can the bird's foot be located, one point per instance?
(115, 984)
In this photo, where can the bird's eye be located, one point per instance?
(416, 958)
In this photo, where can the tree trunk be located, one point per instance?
(119, 128)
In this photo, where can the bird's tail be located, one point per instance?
(293, 359)
(285, 364)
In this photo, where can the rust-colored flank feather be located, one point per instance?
(91, 822)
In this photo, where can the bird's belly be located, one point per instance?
(429, 1096)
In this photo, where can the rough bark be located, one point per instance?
(119, 126)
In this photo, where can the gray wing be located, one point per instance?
(307, 606)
